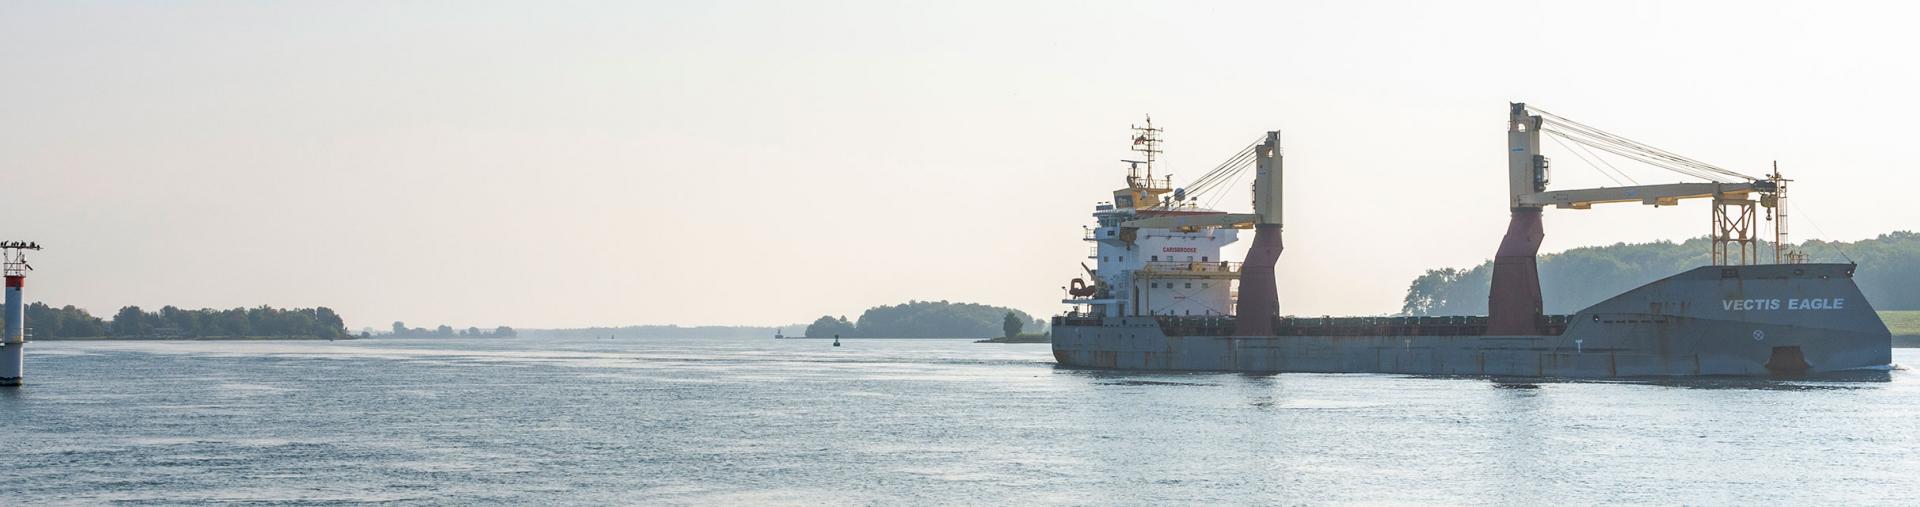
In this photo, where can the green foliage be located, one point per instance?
(1012, 324)
(922, 319)
(1889, 274)
(63, 322)
(171, 322)
(826, 326)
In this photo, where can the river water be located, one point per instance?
(904, 422)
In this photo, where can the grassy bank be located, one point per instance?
(1905, 326)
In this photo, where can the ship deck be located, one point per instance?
(1172, 325)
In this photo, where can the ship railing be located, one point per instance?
(1076, 319)
(1152, 184)
(1451, 325)
(1191, 267)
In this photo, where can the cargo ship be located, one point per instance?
(1160, 297)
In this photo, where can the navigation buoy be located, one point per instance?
(836, 340)
(13, 339)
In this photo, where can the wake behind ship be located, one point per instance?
(1160, 297)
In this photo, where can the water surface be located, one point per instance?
(657, 421)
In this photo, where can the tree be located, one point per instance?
(130, 322)
(399, 328)
(44, 321)
(826, 326)
(328, 319)
(504, 332)
(1012, 324)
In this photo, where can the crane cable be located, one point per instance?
(1582, 128)
(1224, 170)
(1618, 145)
(1800, 210)
(1583, 158)
(1642, 153)
(1610, 165)
(1226, 173)
(1200, 188)
(1235, 182)
(1644, 156)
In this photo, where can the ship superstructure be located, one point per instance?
(1168, 270)
(1161, 298)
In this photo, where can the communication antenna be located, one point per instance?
(1146, 139)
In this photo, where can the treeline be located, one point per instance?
(923, 319)
(400, 330)
(1889, 273)
(170, 322)
(660, 331)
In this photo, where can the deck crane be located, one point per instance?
(1514, 301)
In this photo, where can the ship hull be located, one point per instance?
(1746, 321)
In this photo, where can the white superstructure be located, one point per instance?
(1173, 270)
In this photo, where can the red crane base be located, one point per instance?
(1259, 299)
(1514, 304)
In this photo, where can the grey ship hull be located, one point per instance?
(1716, 320)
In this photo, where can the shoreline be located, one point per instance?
(194, 339)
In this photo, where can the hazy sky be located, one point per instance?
(548, 163)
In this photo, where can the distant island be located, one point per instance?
(400, 330)
(132, 323)
(927, 319)
(661, 331)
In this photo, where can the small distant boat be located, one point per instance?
(777, 334)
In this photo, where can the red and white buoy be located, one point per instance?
(13, 340)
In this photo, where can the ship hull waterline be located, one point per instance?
(1768, 320)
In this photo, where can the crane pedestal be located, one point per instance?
(1514, 305)
(1259, 297)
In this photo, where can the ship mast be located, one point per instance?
(1146, 139)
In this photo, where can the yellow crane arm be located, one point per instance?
(1657, 195)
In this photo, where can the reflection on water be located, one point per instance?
(907, 422)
